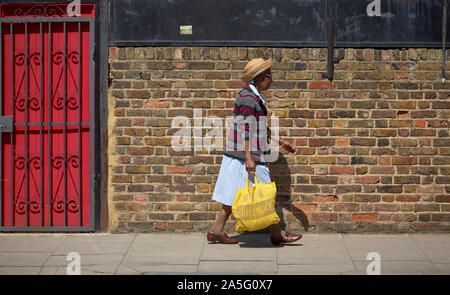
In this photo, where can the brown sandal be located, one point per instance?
(288, 238)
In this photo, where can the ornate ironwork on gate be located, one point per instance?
(46, 118)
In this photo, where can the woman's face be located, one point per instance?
(266, 80)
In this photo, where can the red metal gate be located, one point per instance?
(46, 118)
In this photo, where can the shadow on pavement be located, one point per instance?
(259, 240)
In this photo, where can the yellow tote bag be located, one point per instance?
(254, 207)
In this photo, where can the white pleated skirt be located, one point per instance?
(232, 176)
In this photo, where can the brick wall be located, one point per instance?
(373, 145)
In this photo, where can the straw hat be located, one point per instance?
(255, 67)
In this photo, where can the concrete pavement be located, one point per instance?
(190, 253)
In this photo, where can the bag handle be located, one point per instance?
(256, 179)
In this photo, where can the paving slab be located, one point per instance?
(24, 270)
(390, 247)
(436, 249)
(316, 269)
(157, 269)
(424, 236)
(442, 268)
(249, 251)
(400, 267)
(86, 260)
(95, 244)
(314, 252)
(25, 259)
(321, 237)
(126, 270)
(161, 249)
(84, 270)
(252, 246)
(30, 242)
(238, 267)
(190, 253)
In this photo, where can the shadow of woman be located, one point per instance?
(281, 175)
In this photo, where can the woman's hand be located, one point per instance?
(288, 147)
(250, 164)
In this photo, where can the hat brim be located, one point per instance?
(258, 70)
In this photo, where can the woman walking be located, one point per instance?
(242, 155)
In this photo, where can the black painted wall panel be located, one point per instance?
(296, 23)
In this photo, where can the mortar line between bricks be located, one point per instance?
(121, 261)
(52, 254)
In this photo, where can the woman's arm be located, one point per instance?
(283, 143)
(249, 162)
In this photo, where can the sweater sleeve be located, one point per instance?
(245, 118)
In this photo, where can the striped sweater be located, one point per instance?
(249, 124)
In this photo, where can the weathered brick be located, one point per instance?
(441, 161)
(440, 217)
(390, 189)
(342, 132)
(323, 160)
(363, 160)
(367, 179)
(140, 151)
(404, 217)
(123, 140)
(426, 207)
(360, 124)
(305, 207)
(178, 169)
(138, 169)
(217, 75)
(122, 178)
(324, 179)
(301, 114)
(326, 217)
(342, 170)
(342, 114)
(406, 179)
(305, 188)
(321, 104)
(363, 141)
(404, 160)
(442, 180)
(387, 207)
(158, 104)
(423, 114)
(407, 198)
(318, 142)
(442, 198)
(140, 188)
(385, 133)
(202, 216)
(341, 189)
(326, 198)
(346, 207)
(364, 216)
(321, 85)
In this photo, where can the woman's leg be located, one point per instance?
(276, 232)
(221, 219)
